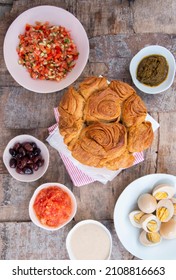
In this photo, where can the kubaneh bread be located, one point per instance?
(104, 124)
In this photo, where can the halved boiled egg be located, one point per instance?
(150, 238)
(168, 230)
(147, 203)
(135, 217)
(150, 223)
(164, 210)
(163, 191)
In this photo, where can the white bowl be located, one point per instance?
(44, 153)
(86, 242)
(150, 50)
(32, 214)
(56, 16)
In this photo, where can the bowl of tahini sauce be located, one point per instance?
(89, 240)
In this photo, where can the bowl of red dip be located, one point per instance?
(52, 206)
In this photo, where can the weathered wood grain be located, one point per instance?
(26, 241)
(167, 148)
(27, 110)
(154, 16)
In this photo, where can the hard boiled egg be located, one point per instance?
(163, 191)
(150, 223)
(135, 217)
(164, 210)
(168, 230)
(147, 203)
(150, 238)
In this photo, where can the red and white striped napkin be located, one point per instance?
(79, 173)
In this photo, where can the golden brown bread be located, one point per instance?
(72, 103)
(122, 89)
(91, 85)
(103, 125)
(133, 111)
(71, 121)
(100, 141)
(69, 128)
(140, 137)
(124, 161)
(102, 106)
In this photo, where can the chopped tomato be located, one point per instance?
(47, 52)
(53, 206)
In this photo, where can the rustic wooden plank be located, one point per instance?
(100, 19)
(92, 14)
(4, 10)
(156, 16)
(167, 149)
(22, 109)
(6, 2)
(26, 241)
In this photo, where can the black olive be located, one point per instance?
(18, 170)
(13, 163)
(13, 152)
(28, 147)
(29, 161)
(40, 162)
(33, 144)
(16, 146)
(37, 158)
(27, 170)
(36, 167)
(37, 152)
(22, 151)
(30, 155)
(19, 156)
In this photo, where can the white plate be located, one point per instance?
(56, 16)
(127, 233)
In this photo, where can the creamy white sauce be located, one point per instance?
(90, 242)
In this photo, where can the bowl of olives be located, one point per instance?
(26, 158)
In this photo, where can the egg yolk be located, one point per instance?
(138, 216)
(152, 226)
(161, 195)
(153, 237)
(162, 213)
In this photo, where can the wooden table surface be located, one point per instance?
(117, 30)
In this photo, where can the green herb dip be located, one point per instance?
(152, 70)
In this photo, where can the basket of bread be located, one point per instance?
(103, 124)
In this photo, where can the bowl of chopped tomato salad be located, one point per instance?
(46, 49)
(52, 206)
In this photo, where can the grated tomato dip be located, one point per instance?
(53, 206)
(47, 52)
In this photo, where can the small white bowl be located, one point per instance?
(44, 153)
(151, 50)
(32, 213)
(86, 242)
